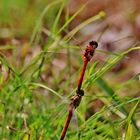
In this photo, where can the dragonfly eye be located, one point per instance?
(94, 44)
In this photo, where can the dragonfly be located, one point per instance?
(79, 84)
(76, 99)
(76, 49)
(77, 45)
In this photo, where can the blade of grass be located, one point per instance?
(131, 114)
(111, 62)
(129, 131)
(72, 18)
(7, 47)
(38, 26)
(5, 62)
(92, 122)
(54, 30)
(110, 92)
(101, 15)
(49, 89)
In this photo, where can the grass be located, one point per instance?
(34, 94)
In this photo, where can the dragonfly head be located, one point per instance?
(94, 44)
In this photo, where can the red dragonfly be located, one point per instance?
(55, 62)
(108, 46)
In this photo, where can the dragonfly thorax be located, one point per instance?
(89, 51)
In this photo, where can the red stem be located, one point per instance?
(82, 73)
(67, 123)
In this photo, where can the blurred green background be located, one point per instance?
(41, 45)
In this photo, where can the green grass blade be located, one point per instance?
(54, 28)
(131, 114)
(49, 89)
(5, 62)
(111, 62)
(71, 18)
(111, 93)
(129, 131)
(38, 26)
(83, 24)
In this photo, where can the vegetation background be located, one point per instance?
(41, 60)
